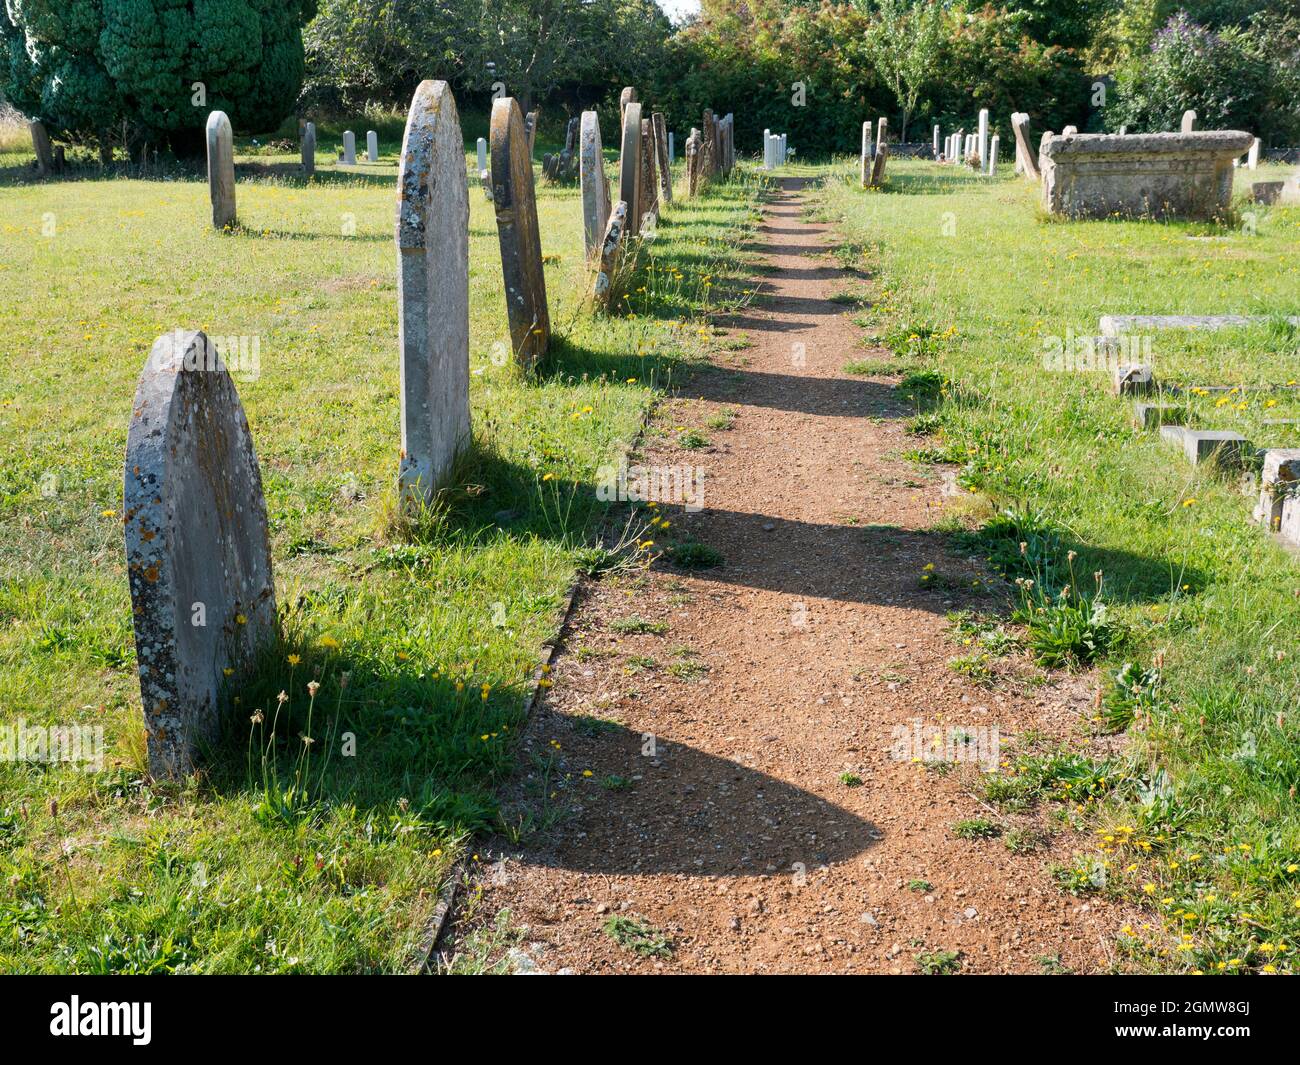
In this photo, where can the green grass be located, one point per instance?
(423, 636)
(638, 936)
(1197, 819)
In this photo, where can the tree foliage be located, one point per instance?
(87, 66)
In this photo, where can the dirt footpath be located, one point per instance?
(729, 780)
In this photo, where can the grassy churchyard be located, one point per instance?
(976, 295)
(424, 636)
(939, 615)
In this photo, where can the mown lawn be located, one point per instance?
(970, 288)
(423, 636)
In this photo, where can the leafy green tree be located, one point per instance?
(84, 67)
(904, 41)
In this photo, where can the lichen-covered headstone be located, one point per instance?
(41, 145)
(708, 162)
(309, 149)
(649, 187)
(433, 291)
(662, 163)
(198, 556)
(349, 148)
(595, 189)
(521, 245)
(221, 169)
(693, 163)
(610, 249)
(629, 165)
(627, 96)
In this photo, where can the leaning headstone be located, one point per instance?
(610, 249)
(1189, 122)
(882, 154)
(432, 292)
(521, 245)
(627, 96)
(482, 154)
(595, 189)
(530, 128)
(1028, 157)
(41, 145)
(198, 556)
(662, 162)
(221, 169)
(308, 149)
(349, 148)
(372, 147)
(629, 165)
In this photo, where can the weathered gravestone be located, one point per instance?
(994, 144)
(372, 147)
(1279, 481)
(1189, 122)
(530, 128)
(627, 96)
(198, 557)
(882, 154)
(692, 163)
(1027, 156)
(708, 145)
(595, 189)
(349, 148)
(41, 145)
(308, 149)
(649, 185)
(521, 244)
(983, 139)
(433, 292)
(610, 249)
(864, 156)
(662, 163)
(482, 155)
(1252, 156)
(1159, 175)
(629, 166)
(934, 148)
(672, 148)
(221, 169)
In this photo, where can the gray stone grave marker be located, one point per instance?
(629, 165)
(521, 245)
(349, 148)
(198, 556)
(41, 146)
(610, 249)
(649, 182)
(595, 189)
(1189, 122)
(882, 153)
(1279, 479)
(372, 147)
(433, 292)
(221, 169)
(308, 149)
(662, 163)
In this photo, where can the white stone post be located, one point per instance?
(349, 148)
(372, 147)
(984, 137)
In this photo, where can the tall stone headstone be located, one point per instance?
(708, 145)
(692, 163)
(649, 178)
(482, 154)
(432, 291)
(349, 148)
(530, 128)
(198, 555)
(662, 163)
(935, 145)
(372, 147)
(767, 150)
(672, 149)
(1252, 157)
(993, 155)
(864, 157)
(983, 137)
(1189, 122)
(221, 169)
(595, 189)
(629, 165)
(627, 96)
(521, 245)
(41, 146)
(611, 246)
(308, 149)
(881, 125)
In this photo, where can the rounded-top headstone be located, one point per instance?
(221, 169)
(629, 165)
(521, 244)
(433, 291)
(198, 555)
